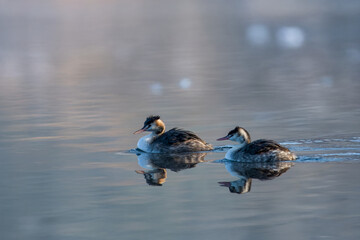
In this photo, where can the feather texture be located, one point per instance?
(179, 140)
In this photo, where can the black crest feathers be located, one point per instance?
(151, 119)
(235, 130)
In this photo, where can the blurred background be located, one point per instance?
(71, 71)
(77, 78)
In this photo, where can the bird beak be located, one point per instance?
(223, 138)
(141, 130)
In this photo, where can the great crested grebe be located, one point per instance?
(258, 151)
(174, 140)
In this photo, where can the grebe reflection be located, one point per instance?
(157, 165)
(246, 171)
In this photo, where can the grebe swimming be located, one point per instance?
(258, 151)
(174, 140)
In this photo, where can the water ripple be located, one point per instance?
(326, 150)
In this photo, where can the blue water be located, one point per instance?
(78, 78)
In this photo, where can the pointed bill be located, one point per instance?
(141, 130)
(223, 138)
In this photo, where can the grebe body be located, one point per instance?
(172, 141)
(261, 150)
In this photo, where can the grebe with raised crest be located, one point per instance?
(174, 140)
(261, 150)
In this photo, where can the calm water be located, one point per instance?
(77, 78)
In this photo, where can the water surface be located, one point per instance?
(77, 78)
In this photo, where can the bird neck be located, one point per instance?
(160, 128)
(230, 153)
(240, 145)
(145, 142)
(152, 136)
